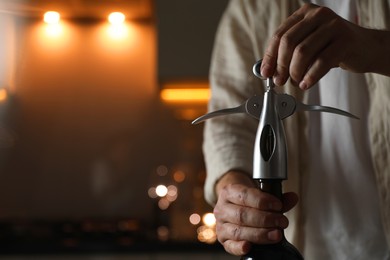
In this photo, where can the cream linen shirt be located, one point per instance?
(245, 28)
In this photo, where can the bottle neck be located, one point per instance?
(272, 186)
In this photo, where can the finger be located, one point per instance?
(251, 197)
(321, 66)
(288, 43)
(237, 248)
(251, 217)
(307, 51)
(290, 199)
(269, 62)
(228, 231)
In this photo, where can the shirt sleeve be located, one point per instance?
(228, 140)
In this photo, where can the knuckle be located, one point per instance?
(287, 41)
(322, 11)
(301, 50)
(266, 220)
(223, 194)
(243, 195)
(311, 10)
(259, 202)
(307, 6)
(240, 215)
(216, 211)
(226, 189)
(236, 233)
(277, 36)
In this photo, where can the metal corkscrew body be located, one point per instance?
(270, 150)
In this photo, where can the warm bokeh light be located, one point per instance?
(152, 192)
(163, 233)
(183, 91)
(3, 95)
(53, 30)
(51, 17)
(207, 234)
(186, 95)
(123, 38)
(172, 193)
(172, 190)
(54, 39)
(209, 219)
(195, 219)
(116, 18)
(163, 204)
(179, 176)
(118, 28)
(162, 170)
(119, 31)
(161, 190)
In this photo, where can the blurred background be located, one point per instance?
(98, 156)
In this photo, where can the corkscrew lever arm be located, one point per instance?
(304, 107)
(251, 106)
(287, 105)
(222, 112)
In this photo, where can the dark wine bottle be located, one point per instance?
(282, 250)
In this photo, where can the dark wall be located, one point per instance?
(186, 32)
(87, 128)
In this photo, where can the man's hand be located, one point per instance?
(314, 40)
(246, 215)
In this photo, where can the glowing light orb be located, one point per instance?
(161, 190)
(209, 219)
(116, 18)
(194, 219)
(51, 17)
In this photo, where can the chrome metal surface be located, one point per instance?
(304, 107)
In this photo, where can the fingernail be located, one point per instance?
(273, 235)
(278, 80)
(303, 85)
(262, 70)
(246, 247)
